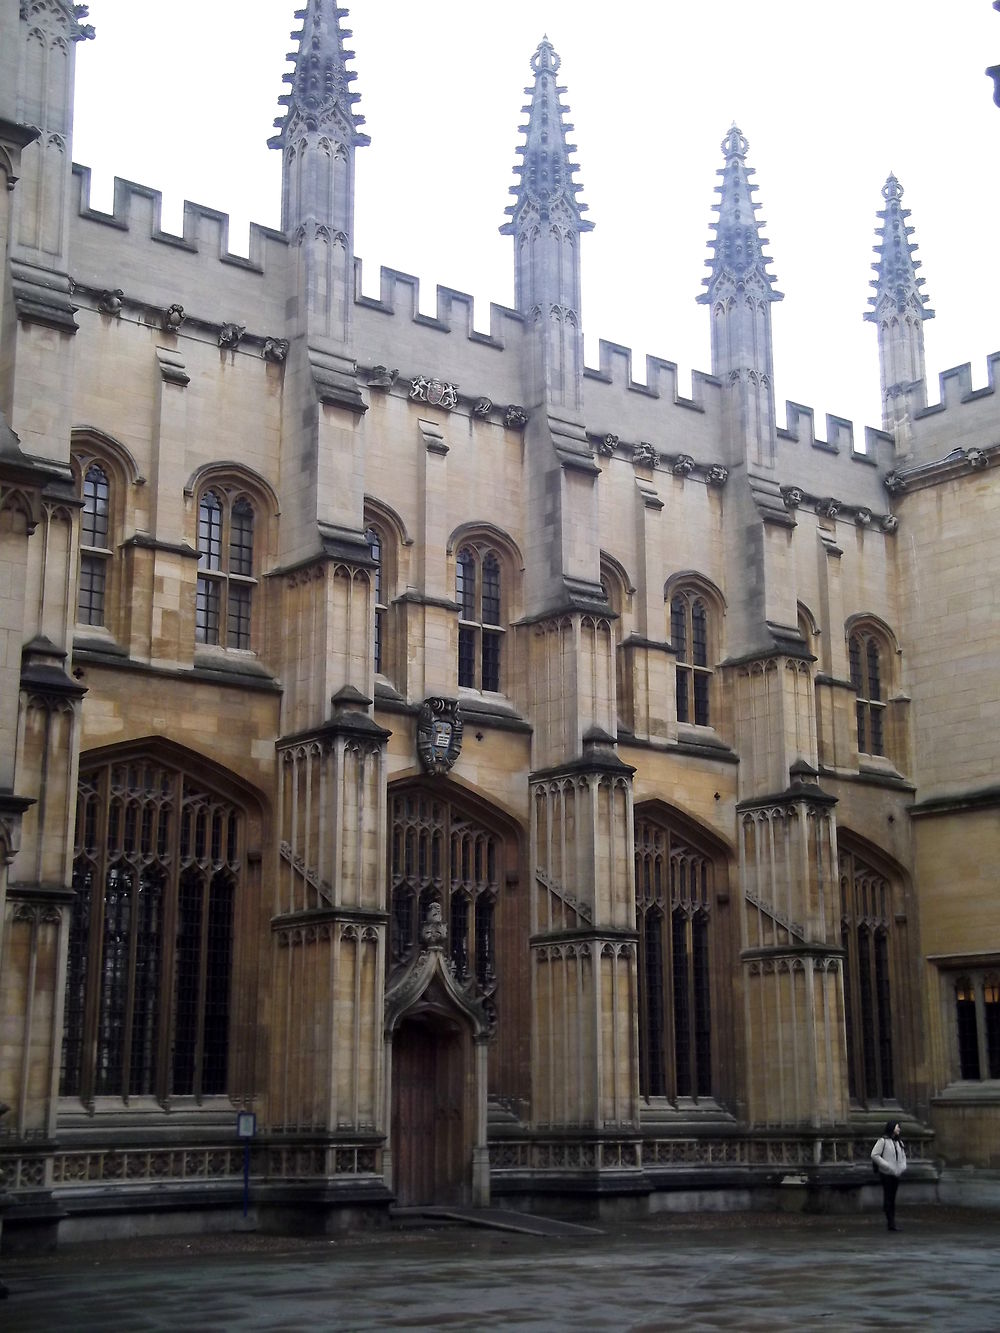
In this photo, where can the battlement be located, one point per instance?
(399, 294)
(800, 428)
(615, 367)
(206, 230)
(964, 417)
(954, 387)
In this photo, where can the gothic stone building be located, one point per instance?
(506, 778)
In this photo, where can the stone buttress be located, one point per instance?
(39, 700)
(790, 935)
(584, 1057)
(330, 896)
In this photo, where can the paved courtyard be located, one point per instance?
(734, 1272)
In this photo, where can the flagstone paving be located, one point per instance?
(735, 1272)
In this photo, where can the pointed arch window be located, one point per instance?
(226, 582)
(691, 633)
(674, 893)
(441, 855)
(869, 675)
(376, 549)
(156, 875)
(867, 937)
(95, 549)
(480, 594)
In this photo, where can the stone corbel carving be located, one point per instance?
(231, 335)
(890, 523)
(977, 458)
(607, 445)
(275, 350)
(173, 318)
(515, 417)
(893, 483)
(111, 302)
(438, 393)
(792, 496)
(717, 475)
(382, 377)
(683, 465)
(644, 455)
(863, 518)
(483, 407)
(828, 507)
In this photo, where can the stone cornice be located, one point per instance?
(959, 463)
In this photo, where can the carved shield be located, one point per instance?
(439, 734)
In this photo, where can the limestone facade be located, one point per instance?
(501, 776)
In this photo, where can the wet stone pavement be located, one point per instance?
(750, 1271)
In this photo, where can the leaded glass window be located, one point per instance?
(95, 553)
(479, 593)
(226, 582)
(689, 637)
(674, 888)
(866, 937)
(157, 866)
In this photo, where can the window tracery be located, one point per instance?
(867, 930)
(157, 866)
(481, 595)
(226, 568)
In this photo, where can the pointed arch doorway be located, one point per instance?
(439, 1016)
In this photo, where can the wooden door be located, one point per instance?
(431, 1113)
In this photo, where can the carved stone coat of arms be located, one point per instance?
(439, 734)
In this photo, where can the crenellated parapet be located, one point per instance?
(963, 418)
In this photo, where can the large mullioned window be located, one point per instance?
(225, 570)
(441, 855)
(868, 676)
(479, 593)
(149, 974)
(690, 637)
(376, 549)
(866, 935)
(674, 888)
(95, 552)
(977, 1024)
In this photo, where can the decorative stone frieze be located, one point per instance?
(111, 302)
(231, 335)
(173, 318)
(382, 377)
(435, 392)
(275, 350)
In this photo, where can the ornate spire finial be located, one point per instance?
(546, 182)
(896, 283)
(320, 96)
(738, 244)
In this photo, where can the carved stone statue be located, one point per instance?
(434, 932)
(275, 350)
(111, 302)
(231, 335)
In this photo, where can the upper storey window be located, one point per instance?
(479, 592)
(690, 635)
(868, 676)
(226, 579)
(95, 551)
(376, 549)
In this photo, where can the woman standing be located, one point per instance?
(889, 1158)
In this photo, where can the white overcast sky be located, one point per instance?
(181, 95)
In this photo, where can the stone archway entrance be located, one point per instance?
(436, 1033)
(433, 1110)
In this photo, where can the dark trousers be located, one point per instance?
(890, 1184)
